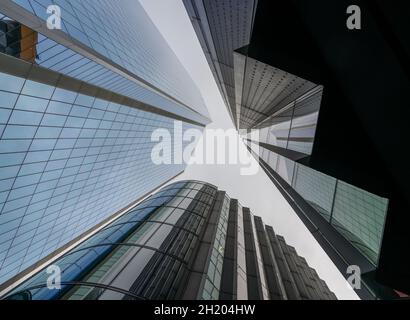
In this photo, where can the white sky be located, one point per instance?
(256, 192)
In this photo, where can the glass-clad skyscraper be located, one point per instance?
(78, 107)
(187, 241)
(311, 139)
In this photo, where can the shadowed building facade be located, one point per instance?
(329, 127)
(187, 241)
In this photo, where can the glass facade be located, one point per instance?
(125, 35)
(138, 248)
(360, 216)
(77, 112)
(173, 245)
(67, 161)
(317, 188)
(357, 214)
(241, 268)
(262, 275)
(49, 54)
(272, 89)
(214, 272)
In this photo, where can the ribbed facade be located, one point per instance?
(187, 241)
(222, 27)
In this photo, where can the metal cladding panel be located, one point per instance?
(290, 259)
(286, 276)
(230, 267)
(230, 22)
(252, 270)
(267, 90)
(222, 27)
(273, 280)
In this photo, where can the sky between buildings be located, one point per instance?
(257, 191)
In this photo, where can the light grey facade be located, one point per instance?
(222, 27)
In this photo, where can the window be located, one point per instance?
(31, 104)
(37, 89)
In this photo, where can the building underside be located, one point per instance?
(330, 106)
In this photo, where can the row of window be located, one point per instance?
(359, 212)
(54, 189)
(134, 228)
(128, 38)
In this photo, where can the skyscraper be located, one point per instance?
(294, 71)
(78, 106)
(187, 241)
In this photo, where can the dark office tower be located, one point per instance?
(78, 107)
(187, 241)
(331, 125)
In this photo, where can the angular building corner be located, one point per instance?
(78, 107)
(187, 241)
(326, 140)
